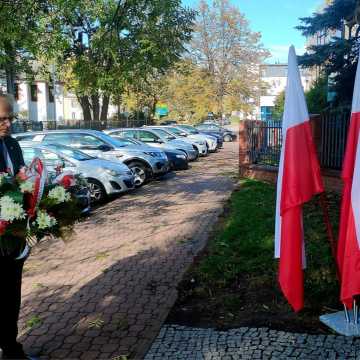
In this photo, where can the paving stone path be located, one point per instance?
(182, 343)
(108, 292)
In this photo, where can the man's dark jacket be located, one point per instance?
(17, 160)
(15, 154)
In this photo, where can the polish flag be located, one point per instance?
(299, 179)
(348, 251)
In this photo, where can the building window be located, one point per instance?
(51, 94)
(34, 93)
(73, 103)
(16, 91)
(73, 115)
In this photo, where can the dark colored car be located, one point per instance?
(177, 159)
(213, 129)
(168, 122)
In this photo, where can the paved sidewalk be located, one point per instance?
(107, 293)
(183, 343)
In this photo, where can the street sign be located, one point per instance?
(162, 109)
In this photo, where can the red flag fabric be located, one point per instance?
(299, 180)
(348, 251)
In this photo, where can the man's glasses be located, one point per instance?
(9, 118)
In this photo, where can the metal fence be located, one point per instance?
(264, 139)
(334, 128)
(23, 126)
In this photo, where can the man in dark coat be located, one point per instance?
(11, 161)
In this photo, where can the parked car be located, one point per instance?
(192, 130)
(104, 177)
(177, 159)
(157, 139)
(199, 142)
(209, 140)
(227, 135)
(210, 122)
(168, 122)
(144, 161)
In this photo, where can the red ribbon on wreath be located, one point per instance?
(36, 172)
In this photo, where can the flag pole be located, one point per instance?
(355, 310)
(346, 312)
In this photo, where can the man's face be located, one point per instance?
(5, 120)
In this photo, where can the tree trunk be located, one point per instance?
(10, 81)
(104, 110)
(9, 68)
(95, 107)
(86, 108)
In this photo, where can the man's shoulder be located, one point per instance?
(11, 140)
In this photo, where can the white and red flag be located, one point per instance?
(348, 252)
(299, 179)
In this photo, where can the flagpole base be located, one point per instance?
(337, 322)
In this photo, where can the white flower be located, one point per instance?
(59, 194)
(26, 186)
(10, 210)
(44, 220)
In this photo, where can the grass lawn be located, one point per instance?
(234, 281)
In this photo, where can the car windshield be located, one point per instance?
(127, 141)
(175, 131)
(70, 152)
(116, 142)
(190, 129)
(164, 134)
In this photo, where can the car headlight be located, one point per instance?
(180, 156)
(112, 172)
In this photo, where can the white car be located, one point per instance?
(157, 138)
(210, 141)
(198, 142)
(104, 177)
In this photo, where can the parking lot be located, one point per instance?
(107, 292)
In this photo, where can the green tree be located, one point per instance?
(103, 45)
(22, 23)
(316, 97)
(279, 106)
(190, 92)
(339, 56)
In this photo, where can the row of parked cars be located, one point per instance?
(119, 160)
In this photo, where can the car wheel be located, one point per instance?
(140, 171)
(227, 138)
(97, 191)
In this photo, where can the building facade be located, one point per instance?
(42, 102)
(275, 77)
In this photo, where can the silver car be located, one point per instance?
(198, 142)
(157, 139)
(146, 162)
(210, 141)
(104, 177)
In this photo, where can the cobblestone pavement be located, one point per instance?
(107, 293)
(182, 343)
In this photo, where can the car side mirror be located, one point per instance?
(105, 147)
(159, 141)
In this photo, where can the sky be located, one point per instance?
(276, 20)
